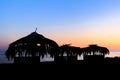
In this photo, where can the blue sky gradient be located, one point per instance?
(79, 22)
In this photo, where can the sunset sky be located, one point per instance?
(78, 22)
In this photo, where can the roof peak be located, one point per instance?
(36, 29)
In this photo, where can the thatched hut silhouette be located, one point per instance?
(68, 53)
(94, 52)
(31, 48)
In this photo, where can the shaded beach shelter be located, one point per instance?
(31, 46)
(95, 51)
(68, 53)
(70, 50)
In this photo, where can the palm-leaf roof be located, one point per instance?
(32, 44)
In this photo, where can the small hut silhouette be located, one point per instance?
(31, 48)
(68, 53)
(94, 52)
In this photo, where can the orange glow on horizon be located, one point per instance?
(111, 42)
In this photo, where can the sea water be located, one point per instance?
(3, 58)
